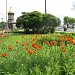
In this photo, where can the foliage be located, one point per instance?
(1, 25)
(14, 30)
(69, 21)
(19, 57)
(37, 22)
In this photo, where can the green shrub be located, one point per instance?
(52, 30)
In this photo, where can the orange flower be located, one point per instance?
(54, 42)
(27, 48)
(22, 36)
(30, 51)
(33, 39)
(51, 43)
(64, 50)
(16, 42)
(38, 47)
(4, 35)
(65, 37)
(23, 43)
(73, 43)
(35, 46)
(47, 42)
(3, 55)
(0, 36)
(9, 47)
(33, 43)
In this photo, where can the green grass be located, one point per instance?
(49, 60)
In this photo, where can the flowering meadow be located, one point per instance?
(37, 54)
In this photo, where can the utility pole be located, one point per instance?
(45, 7)
(6, 17)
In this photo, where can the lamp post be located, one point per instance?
(45, 7)
(6, 17)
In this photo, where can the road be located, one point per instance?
(68, 30)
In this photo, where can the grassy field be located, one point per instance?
(36, 54)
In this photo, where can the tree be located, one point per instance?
(2, 24)
(69, 21)
(19, 22)
(50, 22)
(35, 19)
(29, 20)
(37, 22)
(66, 21)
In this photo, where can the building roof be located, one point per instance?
(10, 10)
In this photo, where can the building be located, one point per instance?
(11, 23)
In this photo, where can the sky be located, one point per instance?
(59, 8)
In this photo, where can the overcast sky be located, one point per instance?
(59, 8)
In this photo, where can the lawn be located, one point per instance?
(37, 54)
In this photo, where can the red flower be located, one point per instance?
(64, 50)
(0, 36)
(3, 55)
(73, 43)
(30, 51)
(47, 42)
(27, 48)
(35, 46)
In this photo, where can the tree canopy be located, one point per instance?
(37, 22)
(1, 25)
(69, 21)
